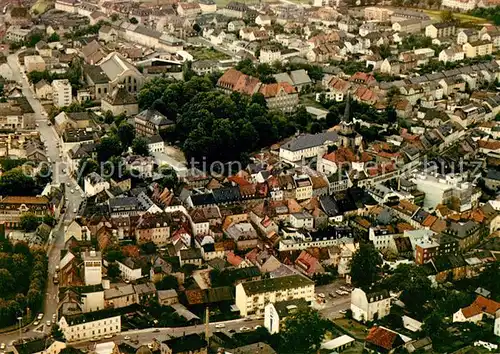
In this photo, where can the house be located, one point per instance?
(235, 9)
(12, 207)
(40, 346)
(131, 268)
(280, 96)
(145, 292)
(188, 9)
(120, 101)
(167, 297)
(253, 296)
(235, 26)
(408, 26)
(153, 228)
(383, 340)
(478, 48)
(121, 72)
(369, 306)
(187, 344)
(190, 256)
(440, 30)
(244, 234)
(419, 345)
(150, 122)
(88, 325)
(308, 265)
(451, 54)
(467, 35)
(119, 296)
(43, 90)
(275, 313)
(263, 20)
(77, 230)
(474, 312)
(94, 184)
(307, 145)
(34, 63)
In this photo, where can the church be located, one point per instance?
(348, 137)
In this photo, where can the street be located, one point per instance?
(50, 138)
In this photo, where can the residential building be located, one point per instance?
(369, 306)
(467, 35)
(77, 230)
(120, 101)
(153, 228)
(12, 207)
(440, 30)
(269, 54)
(94, 184)
(61, 93)
(121, 72)
(130, 268)
(383, 340)
(235, 10)
(119, 296)
(187, 344)
(478, 48)
(275, 313)
(253, 296)
(39, 346)
(425, 250)
(461, 5)
(150, 123)
(92, 267)
(474, 312)
(307, 145)
(85, 326)
(17, 34)
(34, 63)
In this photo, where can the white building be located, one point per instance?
(274, 314)
(269, 54)
(93, 300)
(90, 325)
(94, 184)
(496, 329)
(61, 93)
(40, 346)
(129, 270)
(307, 146)
(463, 5)
(369, 306)
(92, 263)
(253, 296)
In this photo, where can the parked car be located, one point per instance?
(220, 325)
(321, 295)
(332, 295)
(245, 329)
(40, 316)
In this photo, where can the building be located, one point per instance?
(85, 326)
(235, 10)
(383, 340)
(474, 312)
(12, 207)
(425, 250)
(94, 184)
(131, 269)
(40, 346)
(440, 30)
(61, 93)
(253, 296)
(17, 34)
(269, 54)
(462, 5)
(187, 344)
(280, 96)
(120, 101)
(478, 48)
(92, 267)
(153, 228)
(369, 306)
(34, 63)
(307, 145)
(150, 122)
(121, 72)
(275, 313)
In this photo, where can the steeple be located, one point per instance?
(347, 112)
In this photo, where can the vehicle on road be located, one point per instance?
(75, 210)
(257, 327)
(37, 125)
(109, 336)
(57, 269)
(126, 337)
(343, 312)
(332, 295)
(36, 323)
(245, 329)
(220, 325)
(48, 323)
(40, 316)
(3, 346)
(321, 295)
(82, 195)
(232, 331)
(95, 339)
(67, 183)
(339, 292)
(156, 330)
(72, 191)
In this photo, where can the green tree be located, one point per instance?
(168, 282)
(140, 146)
(108, 147)
(57, 333)
(70, 350)
(149, 247)
(49, 220)
(446, 16)
(7, 282)
(86, 166)
(17, 182)
(54, 37)
(29, 222)
(365, 265)
(126, 133)
(115, 17)
(133, 20)
(113, 270)
(303, 332)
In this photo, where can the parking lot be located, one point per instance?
(332, 306)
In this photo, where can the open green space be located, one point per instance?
(202, 53)
(436, 15)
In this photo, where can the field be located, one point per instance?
(436, 15)
(41, 6)
(202, 53)
(354, 329)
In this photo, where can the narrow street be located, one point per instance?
(73, 200)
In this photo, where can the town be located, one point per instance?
(249, 177)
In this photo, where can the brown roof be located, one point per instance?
(24, 200)
(272, 90)
(382, 337)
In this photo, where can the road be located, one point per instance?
(50, 138)
(149, 335)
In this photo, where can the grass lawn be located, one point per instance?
(357, 348)
(355, 329)
(202, 53)
(436, 14)
(41, 6)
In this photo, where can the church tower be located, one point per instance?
(347, 134)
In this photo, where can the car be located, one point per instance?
(60, 155)
(40, 316)
(48, 323)
(343, 312)
(49, 123)
(57, 269)
(75, 210)
(232, 331)
(338, 292)
(36, 323)
(108, 336)
(67, 183)
(220, 325)
(156, 330)
(3, 346)
(332, 295)
(244, 329)
(37, 125)
(82, 196)
(257, 327)
(126, 337)
(94, 339)
(321, 295)
(72, 191)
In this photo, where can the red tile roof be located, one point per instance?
(272, 90)
(383, 338)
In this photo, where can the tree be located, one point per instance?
(133, 21)
(85, 167)
(57, 333)
(303, 332)
(54, 37)
(149, 247)
(49, 220)
(29, 222)
(6, 282)
(365, 265)
(446, 16)
(113, 270)
(115, 17)
(108, 147)
(126, 133)
(70, 350)
(17, 182)
(168, 282)
(140, 147)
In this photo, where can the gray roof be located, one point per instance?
(307, 141)
(283, 77)
(154, 117)
(121, 202)
(114, 65)
(300, 77)
(115, 292)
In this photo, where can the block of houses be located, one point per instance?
(94, 184)
(369, 306)
(88, 325)
(153, 228)
(478, 48)
(467, 35)
(187, 344)
(40, 346)
(451, 54)
(440, 30)
(150, 122)
(250, 295)
(383, 340)
(132, 268)
(43, 90)
(481, 307)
